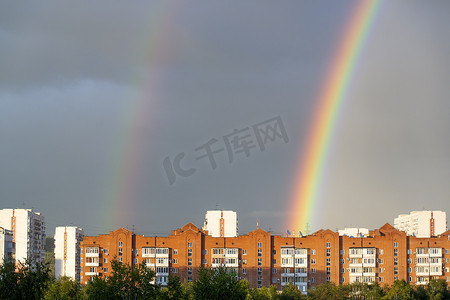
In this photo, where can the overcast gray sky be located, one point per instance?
(94, 96)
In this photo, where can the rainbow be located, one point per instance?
(121, 192)
(332, 96)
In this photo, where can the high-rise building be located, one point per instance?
(221, 223)
(28, 228)
(422, 223)
(382, 256)
(7, 248)
(67, 251)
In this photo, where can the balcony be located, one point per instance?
(91, 254)
(91, 264)
(287, 274)
(91, 273)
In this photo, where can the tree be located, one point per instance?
(291, 292)
(400, 290)
(125, 282)
(328, 291)
(174, 289)
(27, 280)
(219, 283)
(63, 288)
(438, 289)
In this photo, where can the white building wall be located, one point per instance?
(6, 245)
(354, 232)
(213, 223)
(28, 232)
(418, 223)
(67, 251)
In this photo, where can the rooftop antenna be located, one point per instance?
(133, 228)
(257, 223)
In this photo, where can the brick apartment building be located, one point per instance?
(382, 256)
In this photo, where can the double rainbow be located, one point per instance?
(332, 96)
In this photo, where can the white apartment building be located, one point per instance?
(7, 250)
(28, 228)
(67, 251)
(422, 224)
(221, 223)
(354, 232)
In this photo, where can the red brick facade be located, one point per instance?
(264, 259)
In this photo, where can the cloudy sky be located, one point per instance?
(95, 96)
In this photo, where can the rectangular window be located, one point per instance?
(313, 251)
(328, 271)
(328, 262)
(189, 252)
(120, 251)
(189, 244)
(259, 245)
(328, 252)
(380, 279)
(328, 244)
(135, 261)
(189, 261)
(205, 252)
(342, 252)
(105, 251)
(175, 251)
(120, 244)
(244, 271)
(395, 252)
(189, 271)
(313, 261)
(105, 270)
(274, 271)
(274, 261)
(274, 280)
(342, 270)
(175, 261)
(274, 251)
(342, 261)
(395, 244)
(175, 270)
(395, 261)
(105, 260)
(313, 270)
(395, 270)
(328, 278)
(259, 261)
(342, 279)
(204, 261)
(244, 252)
(313, 280)
(259, 271)
(260, 252)
(189, 279)
(381, 251)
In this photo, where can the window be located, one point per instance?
(342, 252)
(244, 271)
(105, 251)
(105, 270)
(120, 251)
(259, 261)
(395, 244)
(189, 279)
(175, 251)
(189, 271)
(189, 244)
(342, 261)
(328, 244)
(328, 262)
(395, 252)
(259, 280)
(120, 260)
(120, 244)
(381, 270)
(342, 279)
(175, 261)
(328, 278)
(274, 280)
(381, 251)
(244, 252)
(274, 261)
(313, 270)
(395, 270)
(313, 279)
(274, 251)
(408, 251)
(381, 261)
(380, 279)
(313, 261)
(328, 271)
(175, 270)
(259, 271)
(342, 270)
(205, 252)
(328, 252)
(259, 252)
(395, 261)
(204, 261)
(313, 251)
(135, 261)
(447, 251)
(274, 271)
(259, 245)
(189, 261)
(189, 252)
